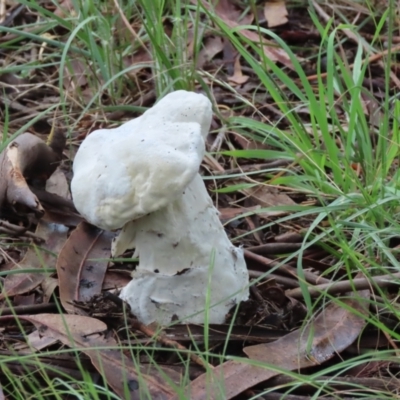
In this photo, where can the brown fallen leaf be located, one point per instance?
(85, 334)
(249, 144)
(24, 300)
(226, 214)
(138, 61)
(36, 257)
(58, 184)
(82, 264)
(75, 75)
(27, 158)
(48, 286)
(37, 341)
(75, 79)
(212, 46)
(225, 9)
(275, 13)
(115, 279)
(66, 9)
(238, 78)
(268, 196)
(333, 330)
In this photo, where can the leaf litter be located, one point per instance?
(331, 332)
(273, 329)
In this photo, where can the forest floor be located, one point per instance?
(302, 164)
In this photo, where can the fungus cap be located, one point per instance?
(124, 173)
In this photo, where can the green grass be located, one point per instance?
(356, 211)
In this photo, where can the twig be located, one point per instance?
(281, 280)
(20, 231)
(2, 11)
(286, 269)
(216, 146)
(347, 286)
(342, 383)
(7, 21)
(253, 229)
(254, 167)
(31, 309)
(289, 237)
(128, 25)
(275, 248)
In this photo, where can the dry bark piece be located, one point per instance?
(27, 158)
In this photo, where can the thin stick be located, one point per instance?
(286, 269)
(347, 286)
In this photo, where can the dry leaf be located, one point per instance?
(36, 257)
(334, 329)
(115, 279)
(66, 9)
(82, 264)
(85, 334)
(238, 76)
(58, 184)
(74, 75)
(226, 214)
(275, 13)
(211, 48)
(140, 60)
(24, 300)
(37, 341)
(49, 285)
(268, 196)
(226, 11)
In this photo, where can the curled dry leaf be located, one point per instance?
(86, 335)
(333, 330)
(82, 264)
(27, 158)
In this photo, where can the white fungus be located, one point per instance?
(143, 177)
